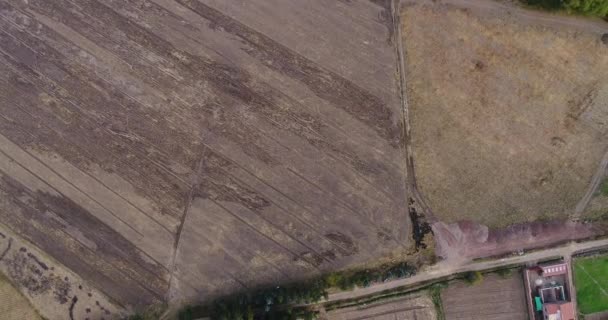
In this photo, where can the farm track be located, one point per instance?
(170, 150)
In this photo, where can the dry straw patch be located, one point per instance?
(13, 306)
(508, 120)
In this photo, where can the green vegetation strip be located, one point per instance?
(591, 280)
(277, 302)
(435, 292)
(598, 8)
(604, 187)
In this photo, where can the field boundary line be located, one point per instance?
(593, 279)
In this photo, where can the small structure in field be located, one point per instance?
(548, 288)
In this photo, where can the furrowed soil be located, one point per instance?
(414, 306)
(508, 112)
(180, 150)
(496, 298)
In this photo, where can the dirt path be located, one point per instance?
(445, 269)
(595, 182)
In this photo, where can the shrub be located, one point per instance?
(473, 277)
(504, 273)
(604, 187)
(597, 8)
(589, 7)
(185, 314)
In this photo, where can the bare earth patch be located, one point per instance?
(415, 306)
(508, 119)
(495, 298)
(181, 150)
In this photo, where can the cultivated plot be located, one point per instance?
(414, 306)
(186, 149)
(495, 298)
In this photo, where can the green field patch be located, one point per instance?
(591, 280)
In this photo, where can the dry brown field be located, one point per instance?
(13, 306)
(508, 111)
(411, 307)
(495, 298)
(184, 149)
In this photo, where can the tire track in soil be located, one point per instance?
(227, 81)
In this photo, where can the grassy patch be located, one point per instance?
(435, 292)
(591, 280)
(603, 190)
(598, 8)
(473, 277)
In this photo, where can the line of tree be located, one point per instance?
(363, 278)
(597, 8)
(277, 302)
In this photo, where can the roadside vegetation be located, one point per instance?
(278, 302)
(603, 190)
(591, 280)
(435, 293)
(151, 313)
(473, 277)
(598, 8)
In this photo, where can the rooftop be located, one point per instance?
(559, 311)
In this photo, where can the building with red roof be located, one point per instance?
(563, 310)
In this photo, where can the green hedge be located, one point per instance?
(275, 302)
(597, 8)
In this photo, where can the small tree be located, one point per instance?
(504, 273)
(473, 277)
(590, 7)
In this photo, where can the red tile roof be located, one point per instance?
(555, 269)
(566, 309)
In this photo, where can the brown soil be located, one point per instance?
(415, 306)
(468, 240)
(495, 298)
(186, 149)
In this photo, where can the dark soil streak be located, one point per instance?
(74, 301)
(82, 127)
(234, 82)
(139, 132)
(40, 263)
(218, 166)
(218, 185)
(8, 248)
(327, 85)
(109, 244)
(217, 163)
